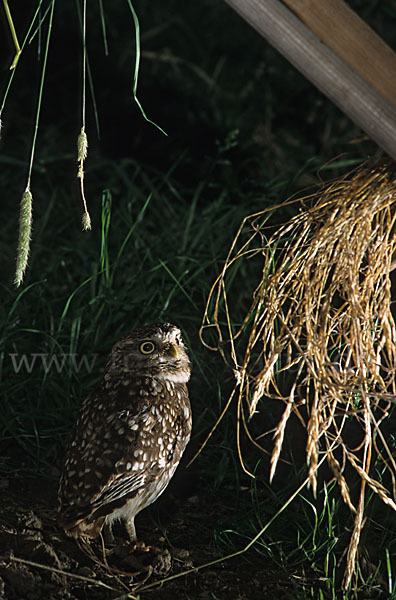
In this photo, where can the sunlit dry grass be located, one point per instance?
(320, 313)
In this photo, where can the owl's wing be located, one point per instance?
(119, 489)
(121, 459)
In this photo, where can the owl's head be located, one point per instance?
(152, 351)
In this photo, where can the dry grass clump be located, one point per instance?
(320, 320)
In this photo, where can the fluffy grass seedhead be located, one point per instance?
(82, 146)
(86, 221)
(320, 319)
(25, 230)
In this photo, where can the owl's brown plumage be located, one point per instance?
(130, 434)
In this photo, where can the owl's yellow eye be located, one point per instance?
(147, 347)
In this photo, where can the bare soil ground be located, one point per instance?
(38, 561)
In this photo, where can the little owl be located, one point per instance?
(130, 434)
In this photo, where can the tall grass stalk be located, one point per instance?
(13, 34)
(8, 86)
(25, 221)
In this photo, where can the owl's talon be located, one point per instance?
(141, 548)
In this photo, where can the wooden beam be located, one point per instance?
(317, 62)
(342, 30)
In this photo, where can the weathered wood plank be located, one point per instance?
(342, 30)
(318, 63)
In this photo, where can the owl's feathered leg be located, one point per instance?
(130, 527)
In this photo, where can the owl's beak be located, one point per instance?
(172, 351)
